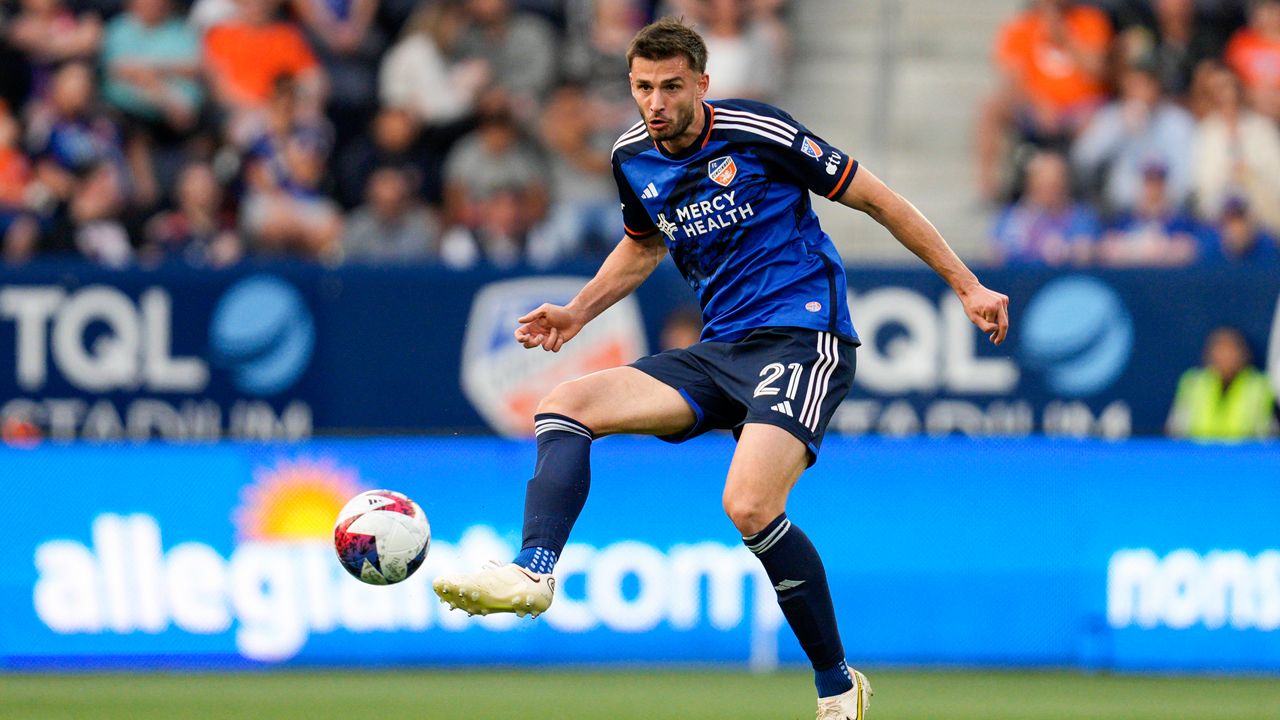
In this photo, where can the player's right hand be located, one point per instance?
(550, 326)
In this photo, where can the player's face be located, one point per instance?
(668, 93)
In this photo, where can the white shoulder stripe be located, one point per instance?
(754, 130)
(766, 128)
(639, 124)
(630, 136)
(633, 134)
(744, 115)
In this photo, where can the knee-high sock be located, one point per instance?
(558, 490)
(796, 572)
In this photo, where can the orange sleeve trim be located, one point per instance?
(711, 124)
(840, 185)
(635, 234)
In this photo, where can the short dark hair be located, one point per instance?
(668, 38)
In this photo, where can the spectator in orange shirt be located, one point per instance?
(1254, 53)
(17, 228)
(246, 56)
(1052, 60)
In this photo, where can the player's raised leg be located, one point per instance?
(618, 400)
(765, 467)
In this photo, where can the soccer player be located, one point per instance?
(724, 188)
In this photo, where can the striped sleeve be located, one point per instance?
(635, 219)
(815, 163)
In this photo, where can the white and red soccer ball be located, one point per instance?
(381, 537)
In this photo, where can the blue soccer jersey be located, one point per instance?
(734, 211)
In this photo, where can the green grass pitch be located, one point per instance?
(626, 695)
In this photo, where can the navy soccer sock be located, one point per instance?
(796, 571)
(558, 490)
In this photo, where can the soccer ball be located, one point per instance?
(381, 537)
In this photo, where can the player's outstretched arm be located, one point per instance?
(989, 310)
(551, 326)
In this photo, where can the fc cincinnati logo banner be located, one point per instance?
(505, 381)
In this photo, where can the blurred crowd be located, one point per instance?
(1132, 133)
(463, 132)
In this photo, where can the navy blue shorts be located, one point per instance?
(793, 378)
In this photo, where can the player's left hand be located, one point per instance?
(987, 309)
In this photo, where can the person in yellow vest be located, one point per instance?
(1228, 398)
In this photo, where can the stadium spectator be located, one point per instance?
(392, 227)
(519, 48)
(15, 171)
(71, 137)
(1174, 39)
(1138, 129)
(1046, 226)
(199, 231)
(21, 241)
(1239, 240)
(492, 158)
(348, 45)
(88, 222)
(1156, 233)
(48, 33)
(1227, 398)
(1051, 59)
(584, 215)
(746, 47)
(417, 75)
(1237, 154)
(285, 210)
(394, 139)
(205, 14)
(151, 63)
(1254, 53)
(245, 56)
(19, 230)
(504, 234)
(596, 56)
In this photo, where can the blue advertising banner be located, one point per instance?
(1136, 555)
(283, 352)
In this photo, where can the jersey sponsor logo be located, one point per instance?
(667, 227)
(813, 306)
(704, 216)
(833, 162)
(650, 192)
(504, 381)
(811, 148)
(722, 170)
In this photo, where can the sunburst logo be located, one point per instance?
(294, 500)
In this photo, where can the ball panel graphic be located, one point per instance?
(381, 537)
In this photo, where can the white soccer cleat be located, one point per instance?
(497, 588)
(848, 706)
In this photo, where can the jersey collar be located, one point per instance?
(709, 112)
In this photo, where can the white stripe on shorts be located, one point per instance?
(819, 379)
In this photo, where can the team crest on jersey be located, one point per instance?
(811, 148)
(722, 170)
